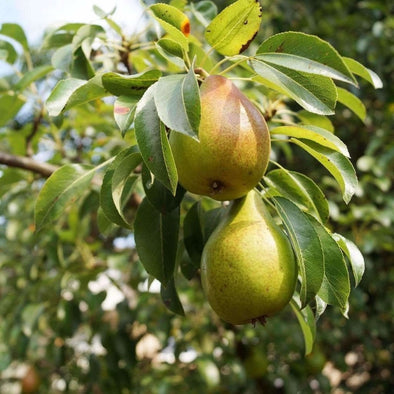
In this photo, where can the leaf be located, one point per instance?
(335, 288)
(233, 29)
(307, 53)
(299, 189)
(85, 37)
(337, 164)
(352, 102)
(309, 118)
(177, 99)
(204, 11)
(31, 76)
(107, 203)
(123, 180)
(8, 52)
(315, 134)
(174, 22)
(10, 105)
(15, 32)
(62, 58)
(156, 238)
(64, 186)
(171, 46)
(364, 72)
(153, 142)
(169, 15)
(170, 298)
(354, 255)
(71, 92)
(158, 195)
(193, 235)
(124, 111)
(129, 85)
(320, 307)
(315, 93)
(307, 323)
(306, 246)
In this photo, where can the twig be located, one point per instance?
(27, 163)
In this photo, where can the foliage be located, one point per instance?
(69, 243)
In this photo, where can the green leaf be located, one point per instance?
(7, 52)
(364, 72)
(15, 32)
(307, 53)
(315, 134)
(306, 245)
(167, 15)
(158, 195)
(31, 76)
(85, 37)
(64, 186)
(177, 99)
(62, 58)
(320, 307)
(171, 46)
(173, 21)
(309, 118)
(193, 235)
(337, 164)
(299, 189)
(315, 93)
(352, 102)
(130, 85)
(335, 287)
(71, 92)
(123, 181)
(231, 32)
(170, 298)
(153, 142)
(354, 255)
(204, 11)
(124, 111)
(10, 105)
(307, 323)
(156, 238)
(107, 203)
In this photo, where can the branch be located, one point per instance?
(27, 163)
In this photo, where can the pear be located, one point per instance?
(233, 149)
(248, 269)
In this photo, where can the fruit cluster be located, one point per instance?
(248, 269)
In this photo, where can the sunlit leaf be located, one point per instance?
(354, 255)
(15, 32)
(337, 164)
(153, 142)
(233, 29)
(335, 287)
(315, 93)
(299, 189)
(63, 187)
(307, 323)
(294, 49)
(352, 102)
(364, 72)
(315, 134)
(177, 101)
(306, 245)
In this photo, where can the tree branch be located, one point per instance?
(27, 163)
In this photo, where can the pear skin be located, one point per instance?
(233, 150)
(248, 269)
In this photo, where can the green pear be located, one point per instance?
(248, 269)
(233, 149)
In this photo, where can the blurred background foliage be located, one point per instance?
(74, 301)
